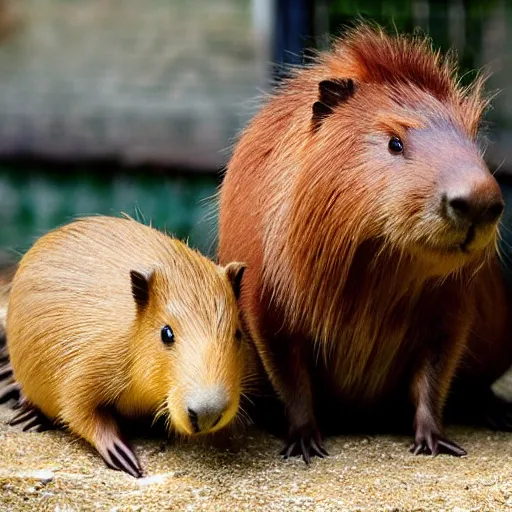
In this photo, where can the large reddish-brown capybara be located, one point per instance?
(360, 200)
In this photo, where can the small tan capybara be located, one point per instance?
(107, 316)
(359, 198)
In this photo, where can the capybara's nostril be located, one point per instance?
(494, 212)
(460, 206)
(204, 420)
(474, 209)
(192, 415)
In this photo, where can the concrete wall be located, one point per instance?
(165, 81)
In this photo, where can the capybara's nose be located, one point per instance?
(204, 420)
(465, 208)
(206, 408)
(474, 203)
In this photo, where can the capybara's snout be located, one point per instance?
(472, 199)
(206, 407)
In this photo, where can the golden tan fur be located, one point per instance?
(344, 240)
(78, 344)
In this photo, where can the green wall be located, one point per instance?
(35, 200)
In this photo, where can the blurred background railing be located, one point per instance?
(125, 105)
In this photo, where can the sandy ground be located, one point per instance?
(51, 471)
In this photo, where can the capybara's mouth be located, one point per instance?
(470, 236)
(470, 241)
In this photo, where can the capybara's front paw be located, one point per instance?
(118, 455)
(431, 442)
(304, 441)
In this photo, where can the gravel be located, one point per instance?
(52, 471)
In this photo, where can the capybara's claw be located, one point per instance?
(119, 456)
(306, 445)
(287, 451)
(11, 391)
(32, 418)
(434, 444)
(319, 449)
(6, 372)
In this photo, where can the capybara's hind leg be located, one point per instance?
(4, 355)
(100, 429)
(9, 388)
(31, 418)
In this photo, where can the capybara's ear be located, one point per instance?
(234, 273)
(141, 284)
(331, 93)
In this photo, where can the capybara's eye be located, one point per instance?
(395, 145)
(167, 335)
(238, 335)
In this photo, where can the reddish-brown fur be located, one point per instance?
(357, 286)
